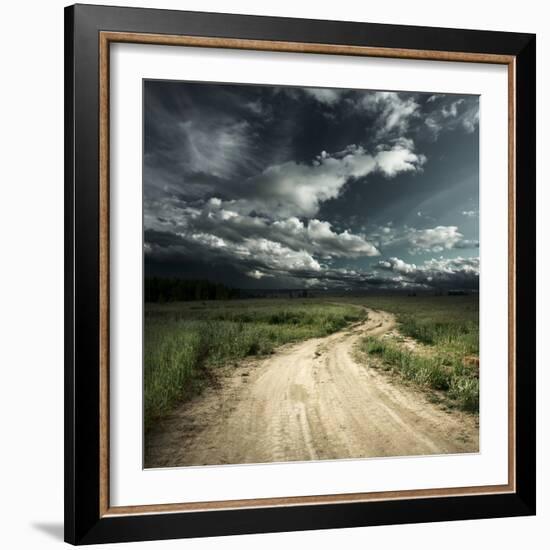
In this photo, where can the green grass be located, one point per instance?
(185, 342)
(446, 322)
(449, 328)
(438, 371)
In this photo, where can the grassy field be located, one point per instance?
(186, 341)
(447, 328)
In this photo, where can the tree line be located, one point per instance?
(160, 289)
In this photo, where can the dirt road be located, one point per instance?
(309, 401)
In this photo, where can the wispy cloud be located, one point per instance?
(447, 114)
(394, 113)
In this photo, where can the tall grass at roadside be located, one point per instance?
(438, 370)
(185, 342)
(445, 322)
(448, 327)
(456, 334)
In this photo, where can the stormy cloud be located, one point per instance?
(285, 187)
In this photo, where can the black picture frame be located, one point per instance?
(84, 524)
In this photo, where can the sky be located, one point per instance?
(266, 187)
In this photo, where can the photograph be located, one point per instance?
(310, 273)
(299, 273)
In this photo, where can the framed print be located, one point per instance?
(299, 274)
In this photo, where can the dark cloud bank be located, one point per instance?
(271, 187)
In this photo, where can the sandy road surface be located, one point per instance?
(309, 401)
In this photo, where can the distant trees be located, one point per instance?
(160, 289)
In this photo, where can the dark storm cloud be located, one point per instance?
(309, 186)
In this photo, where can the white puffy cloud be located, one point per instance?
(259, 258)
(398, 265)
(431, 239)
(215, 219)
(435, 238)
(296, 189)
(269, 254)
(331, 244)
(400, 158)
(395, 273)
(256, 274)
(437, 272)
